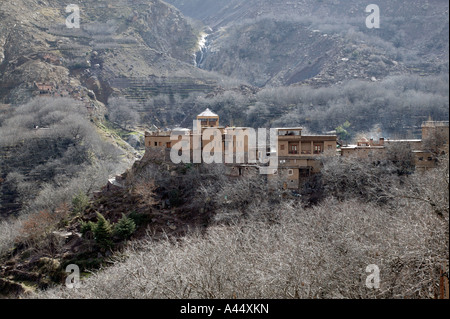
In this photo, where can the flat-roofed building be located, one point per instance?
(434, 142)
(298, 155)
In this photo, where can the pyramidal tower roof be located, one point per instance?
(208, 113)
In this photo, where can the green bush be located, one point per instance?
(80, 202)
(103, 232)
(124, 228)
(140, 218)
(87, 228)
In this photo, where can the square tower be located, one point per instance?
(208, 119)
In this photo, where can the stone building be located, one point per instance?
(425, 151)
(298, 155)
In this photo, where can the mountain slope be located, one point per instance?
(119, 39)
(278, 42)
(119, 46)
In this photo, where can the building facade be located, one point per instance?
(298, 155)
(425, 151)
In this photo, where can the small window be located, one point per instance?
(290, 172)
(430, 158)
(293, 149)
(420, 158)
(156, 143)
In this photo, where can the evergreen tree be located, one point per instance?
(80, 202)
(343, 133)
(103, 232)
(124, 228)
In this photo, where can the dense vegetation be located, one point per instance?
(190, 231)
(258, 247)
(196, 233)
(395, 106)
(50, 152)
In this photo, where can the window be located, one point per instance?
(293, 149)
(168, 145)
(317, 149)
(282, 147)
(420, 158)
(156, 143)
(290, 172)
(430, 158)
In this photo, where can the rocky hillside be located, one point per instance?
(135, 49)
(173, 67)
(159, 198)
(116, 41)
(279, 53)
(321, 42)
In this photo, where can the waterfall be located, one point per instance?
(202, 48)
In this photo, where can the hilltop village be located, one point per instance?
(298, 155)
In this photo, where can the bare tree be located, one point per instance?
(122, 112)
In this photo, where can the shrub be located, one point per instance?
(8, 234)
(140, 218)
(38, 226)
(124, 228)
(103, 232)
(80, 202)
(87, 228)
